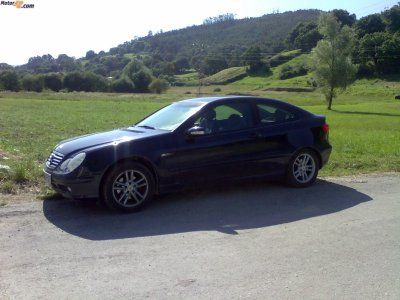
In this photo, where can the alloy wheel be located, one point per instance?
(304, 168)
(130, 188)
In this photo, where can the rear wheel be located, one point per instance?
(302, 169)
(128, 187)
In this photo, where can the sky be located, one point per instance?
(73, 27)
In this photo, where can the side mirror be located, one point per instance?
(196, 131)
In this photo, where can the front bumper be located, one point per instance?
(71, 186)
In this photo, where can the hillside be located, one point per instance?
(223, 50)
(225, 37)
(268, 31)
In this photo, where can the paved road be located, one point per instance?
(337, 239)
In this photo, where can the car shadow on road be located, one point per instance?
(225, 209)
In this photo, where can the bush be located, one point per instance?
(290, 71)
(158, 86)
(122, 85)
(32, 83)
(217, 90)
(87, 82)
(9, 81)
(53, 82)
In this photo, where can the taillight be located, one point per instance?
(325, 128)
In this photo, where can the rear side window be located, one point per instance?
(272, 115)
(226, 117)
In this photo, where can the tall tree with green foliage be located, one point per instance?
(332, 57)
(141, 81)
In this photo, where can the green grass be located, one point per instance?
(365, 137)
(226, 76)
(283, 57)
(365, 122)
(365, 131)
(188, 79)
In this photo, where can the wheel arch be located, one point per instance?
(137, 159)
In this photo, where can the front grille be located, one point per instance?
(54, 160)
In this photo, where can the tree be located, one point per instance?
(304, 36)
(392, 18)
(213, 63)
(370, 24)
(181, 64)
(381, 51)
(332, 62)
(253, 58)
(219, 19)
(42, 64)
(344, 17)
(90, 54)
(141, 81)
(53, 82)
(123, 85)
(158, 85)
(32, 83)
(66, 63)
(4, 66)
(132, 68)
(9, 81)
(166, 68)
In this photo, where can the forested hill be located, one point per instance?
(218, 36)
(250, 46)
(223, 33)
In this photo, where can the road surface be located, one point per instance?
(337, 239)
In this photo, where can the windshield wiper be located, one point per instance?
(146, 126)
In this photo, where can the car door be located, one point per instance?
(225, 149)
(274, 147)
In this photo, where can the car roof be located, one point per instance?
(216, 99)
(219, 98)
(222, 98)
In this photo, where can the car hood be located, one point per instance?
(96, 139)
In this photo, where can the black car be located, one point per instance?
(192, 142)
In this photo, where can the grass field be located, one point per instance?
(365, 129)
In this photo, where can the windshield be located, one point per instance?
(171, 116)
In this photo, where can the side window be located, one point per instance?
(271, 115)
(226, 117)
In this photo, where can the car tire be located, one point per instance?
(302, 170)
(128, 187)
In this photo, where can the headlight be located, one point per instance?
(72, 163)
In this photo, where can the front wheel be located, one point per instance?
(128, 187)
(302, 169)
